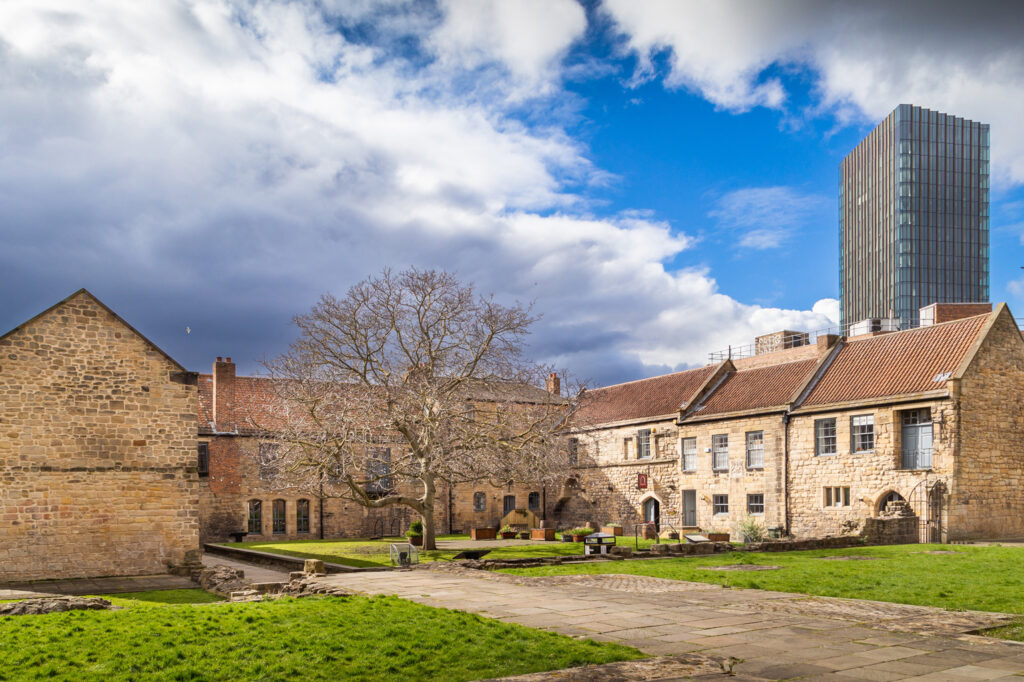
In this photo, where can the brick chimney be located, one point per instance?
(554, 384)
(224, 394)
(826, 341)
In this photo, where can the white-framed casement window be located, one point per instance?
(755, 504)
(755, 449)
(689, 454)
(837, 496)
(862, 433)
(643, 444)
(825, 436)
(720, 452)
(916, 439)
(720, 504)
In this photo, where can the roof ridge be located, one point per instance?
(658, 376)
(868, 337)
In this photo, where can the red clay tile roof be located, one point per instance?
(757, 388)
(896, 364)
(644, 398)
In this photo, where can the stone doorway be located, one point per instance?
(652, 512)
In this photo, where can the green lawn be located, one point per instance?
(354, 638)
(376, 552)
(979, 578)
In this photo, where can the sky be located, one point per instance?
(658, 179)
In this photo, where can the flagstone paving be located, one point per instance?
(80, 586)
(759, 634)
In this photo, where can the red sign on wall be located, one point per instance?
(641, 481)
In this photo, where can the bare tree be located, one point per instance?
(410, 381)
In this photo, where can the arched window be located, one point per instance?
(280, 521)
(479, 502)
(255, 516)
(302, 516)
(534, 501)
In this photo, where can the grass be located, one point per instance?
(975, 578)
(330, 638)
(360, 552)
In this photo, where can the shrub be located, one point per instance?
(581, 531)
(752, 529)
(613, 525)
(507, 529)
(415, 529)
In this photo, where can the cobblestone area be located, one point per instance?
(757, 634)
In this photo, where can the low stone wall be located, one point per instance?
(897, 530)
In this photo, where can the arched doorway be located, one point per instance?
(891, 496)
(652, 512)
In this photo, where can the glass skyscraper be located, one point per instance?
(913, 216)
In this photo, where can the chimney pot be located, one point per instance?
(228, 360)
(554, 384)
(220, 359)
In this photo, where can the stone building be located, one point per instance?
(813, 438)
(236, 497)
(97, 448)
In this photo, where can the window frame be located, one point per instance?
(836, 497)
(690, 456)
(751, 504)
(574, 451)
(203, 459)
(378, 472)
(919, 461)
(302, 516)
(717, 439)
(279, 512)
(761, 435)
(819, 450)
(479, 501)
(855, 434)
(255, 513)
(720, 505)
(643, 444)
(530, 498)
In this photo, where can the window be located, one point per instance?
(689, 454)
(280, 522)
(479, 502)
(302, 516)
(255, 516)
(268, 460)
(755, 449)
(643, 444)
(203, 462)
(755, 504)
(862, 433)
(378, 472)
(720, 504)
(916, 439)
(574, 452)
(533, 501)
(720, 452)
(825, 436)
(836, 496)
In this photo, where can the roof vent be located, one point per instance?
(875, 325)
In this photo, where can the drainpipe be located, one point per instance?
(321, 505)
(785, 468)
(544, 502)
(451, 512)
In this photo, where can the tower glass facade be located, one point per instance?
(913, 216)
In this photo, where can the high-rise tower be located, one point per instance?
(913, 216)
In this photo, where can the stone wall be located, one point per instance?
(986, 496)
(97, 449)
(869, 475)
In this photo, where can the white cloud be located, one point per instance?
(867, 57)
(224, 164)
(766, 217)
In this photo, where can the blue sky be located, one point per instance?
(659, 177)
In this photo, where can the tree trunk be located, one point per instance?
(428, 514)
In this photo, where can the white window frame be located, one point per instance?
(821, 441)
(689, 455)
(758, 450)
(836, 497)
(720, 449)
(643, 444)
(858, 433)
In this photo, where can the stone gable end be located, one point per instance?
(97, 449)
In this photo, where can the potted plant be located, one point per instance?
(612, 528)
(579, 533)
(483, 533)
(415, 533)
(506, 532)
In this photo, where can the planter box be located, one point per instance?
(612, 530)
(483, 533)
(525, 535)
(546, 534)
(507, 536)
(718, 537)
(578, 538)
(416, 540)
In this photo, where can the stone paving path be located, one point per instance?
(760, 634)
(80, 586)
(253, 572)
